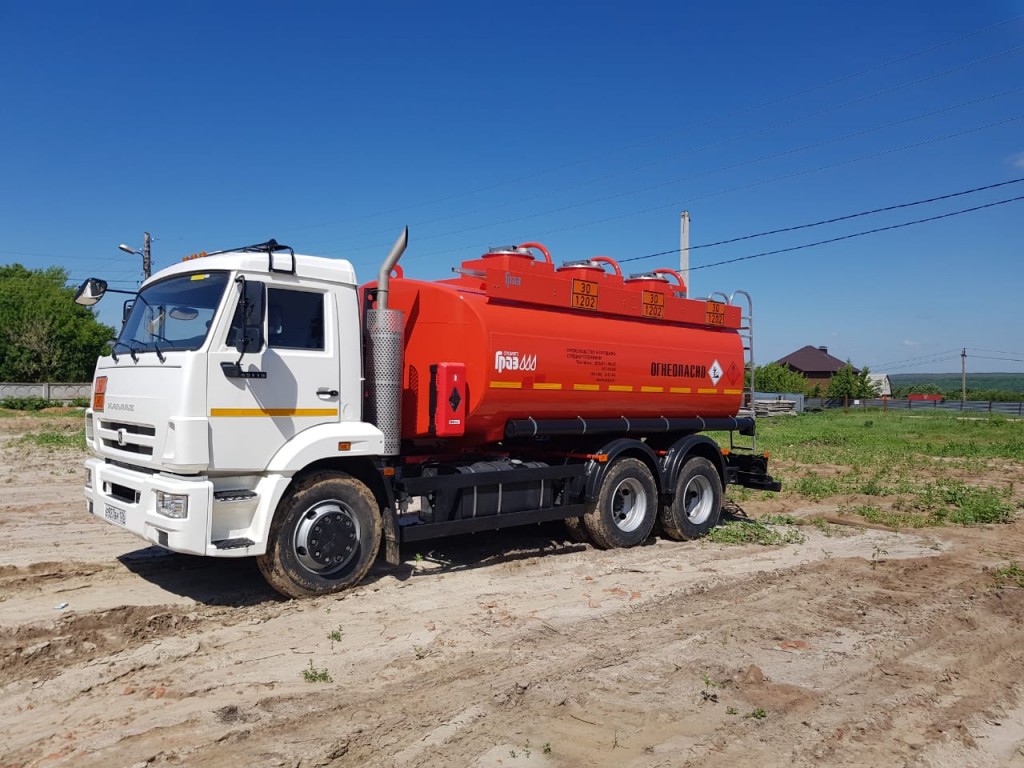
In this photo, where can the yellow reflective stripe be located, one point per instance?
(546, 385)
(251, 412)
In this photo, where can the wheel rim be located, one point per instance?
(698, 499)
(629, 505)
(327, 537)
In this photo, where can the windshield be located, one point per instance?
(174, 314)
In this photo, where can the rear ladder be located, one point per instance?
(746, 331)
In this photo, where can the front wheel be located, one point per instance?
(324, 537)
(626, 506)
(697, 505)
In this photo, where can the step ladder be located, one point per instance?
(746, 331)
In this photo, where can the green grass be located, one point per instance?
(909, 462)
(814, 487)
(54, 440)
(1011, 575)
(754, 532)
(850, 439)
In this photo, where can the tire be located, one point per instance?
(697, 504)
(577, 530)
(324, 537)
(626, 506)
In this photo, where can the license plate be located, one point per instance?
(114, 514)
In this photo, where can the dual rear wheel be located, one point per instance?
(626, 509)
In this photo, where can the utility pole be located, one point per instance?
(963, 375)
(684, 249)
(147, 264)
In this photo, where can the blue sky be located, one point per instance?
(588, 127)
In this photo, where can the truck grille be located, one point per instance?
(126, 437)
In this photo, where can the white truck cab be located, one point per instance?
(195, 441)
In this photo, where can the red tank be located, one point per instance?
(546, 343)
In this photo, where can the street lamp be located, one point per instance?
(144, 253)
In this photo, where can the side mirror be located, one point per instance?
(126, 310)
(253, 306)
(90, 292)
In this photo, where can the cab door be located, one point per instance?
(291, 383)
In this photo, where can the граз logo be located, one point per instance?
(514, 361)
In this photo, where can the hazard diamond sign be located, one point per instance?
(715, 373)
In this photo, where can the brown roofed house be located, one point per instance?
(815, 363)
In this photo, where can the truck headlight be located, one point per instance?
(88, 477)
(88, 427)
(172, 505)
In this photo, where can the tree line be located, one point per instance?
(44, 335)
(849, 383)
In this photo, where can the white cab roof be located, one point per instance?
(315, 268)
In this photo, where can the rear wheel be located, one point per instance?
(697, 504)
(626, 506)
(577, 530)
(324, 537)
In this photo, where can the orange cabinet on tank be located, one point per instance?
(543, 343)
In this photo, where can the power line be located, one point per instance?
(911, 359)
(846, 217)
(929, 361)
(795, 174)
(842, 237)
(739, 188)
(996, 351)
(1007, 359)
(915, 365)
(719, 169)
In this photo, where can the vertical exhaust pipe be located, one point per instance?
(383, 365)
(384, 276)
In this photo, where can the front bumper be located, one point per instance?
(126, 498)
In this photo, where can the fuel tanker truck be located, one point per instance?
(261, 403)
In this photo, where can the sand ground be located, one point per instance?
(858, 647)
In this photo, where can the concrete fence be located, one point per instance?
(64, 393)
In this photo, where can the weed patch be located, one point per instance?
(754, 532)
(314, 675)
(817, 488)
(54, 440)
(1011, 575)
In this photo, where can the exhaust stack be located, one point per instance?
(384, 276)
(384, 360)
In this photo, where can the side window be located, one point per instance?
(295, 319)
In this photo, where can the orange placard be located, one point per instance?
(714, 313)
(584, 294)
(99, 395)
(653, 304)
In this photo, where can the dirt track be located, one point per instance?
(858, 647)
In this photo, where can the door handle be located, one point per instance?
(325, 392)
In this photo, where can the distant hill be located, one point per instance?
(1003, 382)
